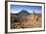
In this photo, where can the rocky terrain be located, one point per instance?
(26, 20)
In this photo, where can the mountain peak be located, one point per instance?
(24, 13)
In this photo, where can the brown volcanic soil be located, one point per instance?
(32, 21)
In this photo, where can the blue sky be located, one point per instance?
(18, 8)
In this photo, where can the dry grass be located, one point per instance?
(27, 22)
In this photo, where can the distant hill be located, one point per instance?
(23, 13)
